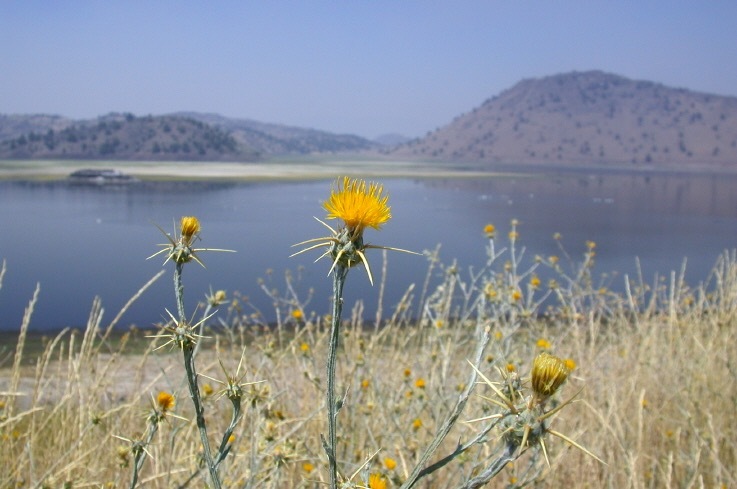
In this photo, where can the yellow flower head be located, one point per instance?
(390, 463)
(297, 314)
(377, 481)
(190, 227)
(420, 383)
(180, 250)
(358, 205)
(489, 230)
(165, 401)
(548, 373)
(416, 424)
(543, 344)
(534, 281)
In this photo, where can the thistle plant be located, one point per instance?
(525, 419)
(161, 408)
(181, 333)
(358, 206)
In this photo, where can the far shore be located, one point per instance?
(306, 169)
(233, 171)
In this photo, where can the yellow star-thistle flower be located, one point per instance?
(358, 205)
(190, 227)
(548, 373)
(377, 481)
(180, 249)
(165, 401)
(570, 364)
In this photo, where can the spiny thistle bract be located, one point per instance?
(359, 206)
(180, 248)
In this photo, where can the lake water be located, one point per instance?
(83, 241)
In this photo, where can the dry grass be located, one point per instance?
(655, 364)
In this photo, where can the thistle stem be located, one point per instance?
(140, 454)
(339, 275)
(179, 291)
(194, 391)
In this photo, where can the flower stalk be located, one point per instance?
(162, 406)
(333, 404)
(180, 250)
(359, 206)
(188, 353)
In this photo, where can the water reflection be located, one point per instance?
(79, 242)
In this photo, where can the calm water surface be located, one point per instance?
(80, 241)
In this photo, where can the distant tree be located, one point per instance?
(49, 140)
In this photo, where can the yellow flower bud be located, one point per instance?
(548, 373)
(190, 226)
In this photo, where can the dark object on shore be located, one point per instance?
(100, 177)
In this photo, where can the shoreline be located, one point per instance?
(310, 169)
(230, 171)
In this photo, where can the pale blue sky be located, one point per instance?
(362, 67)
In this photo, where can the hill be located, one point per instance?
(14, 126)
(588, 118)
(185, 136)
(126, 137)
(277, 139)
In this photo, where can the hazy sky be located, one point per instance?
(362, 67)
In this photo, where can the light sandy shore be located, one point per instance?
(288, 170)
